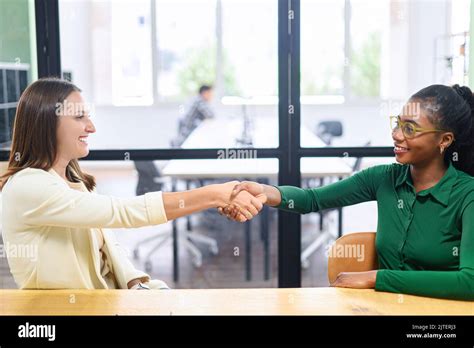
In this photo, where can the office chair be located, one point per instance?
(352, 262)
(315, 244)
(327, 130)
(149, 179)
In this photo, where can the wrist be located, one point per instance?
(221, 193)
(373, 279)
(273, 195)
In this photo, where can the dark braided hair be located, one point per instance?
(452, 109)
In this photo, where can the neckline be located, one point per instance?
(69, 183)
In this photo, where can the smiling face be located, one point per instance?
(73, 129)
(425, 146)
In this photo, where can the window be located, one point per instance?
(217, 42)
(142, 63)
(382, 53)
(17, 59)
(368, 27)
(186, 44)
(322, 51)
(341, 50)
(105, 49)
(452, 50)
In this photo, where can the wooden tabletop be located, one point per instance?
(301, 301)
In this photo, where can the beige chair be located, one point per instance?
(353, 252)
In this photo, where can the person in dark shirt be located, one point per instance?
(198, 111)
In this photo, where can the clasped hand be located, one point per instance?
(246, 201)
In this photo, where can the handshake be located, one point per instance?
(246, 200)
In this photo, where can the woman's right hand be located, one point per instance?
(245, 205)
(266, 194)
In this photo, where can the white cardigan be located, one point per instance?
(48, 231)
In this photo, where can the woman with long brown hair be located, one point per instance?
(50, 206)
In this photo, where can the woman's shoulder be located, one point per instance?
(31, 173)
(387, 169)
(465, 178)
(463, 189)
(465, 183)
(28, 179)
(381, 174)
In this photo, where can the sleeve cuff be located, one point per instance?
(155, 208)
(283, 202)
(296, 200)
(380, 281)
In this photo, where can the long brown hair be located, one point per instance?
(34, 143)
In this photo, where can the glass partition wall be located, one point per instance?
(295, 93)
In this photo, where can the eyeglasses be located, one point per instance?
(409, 130)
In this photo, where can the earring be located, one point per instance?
(441, 150)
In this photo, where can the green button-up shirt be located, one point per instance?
(424, 241)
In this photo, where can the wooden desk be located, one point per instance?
(302, 301)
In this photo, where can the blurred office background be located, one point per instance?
(140, 63)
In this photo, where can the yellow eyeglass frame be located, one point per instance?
(417, 130)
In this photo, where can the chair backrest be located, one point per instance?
(353, 252)
(327, 130)
(147, 173)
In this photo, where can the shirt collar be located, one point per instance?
(441, 191)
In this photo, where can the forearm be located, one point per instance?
(178, 204)
(352, 190)
(296, 200)
(457, 285)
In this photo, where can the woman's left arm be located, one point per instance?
(356, 280)
(458, 285)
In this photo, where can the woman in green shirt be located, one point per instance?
(425, 232)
